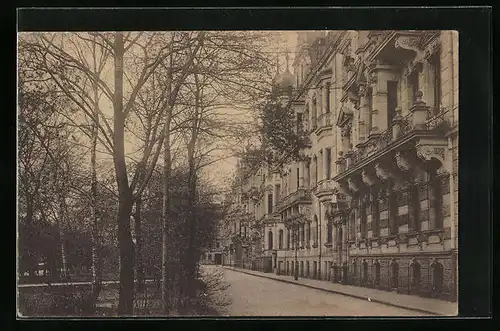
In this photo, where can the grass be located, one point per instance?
(72, 300)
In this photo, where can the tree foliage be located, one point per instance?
(281, 140)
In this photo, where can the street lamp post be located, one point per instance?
(296, 271)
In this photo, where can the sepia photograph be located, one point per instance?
(237, 173)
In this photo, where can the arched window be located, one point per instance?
(394, 267)
(314, 114)
(315, 230)
(415, 274)
(270, 240)
(308, 233)
(315, 165)
(288, 239)
(339, 236)
(280, 239)
(329, 232)
(365, 271)
(437, 277)
(376, 264)
(306, 119)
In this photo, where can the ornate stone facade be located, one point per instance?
(379, 193)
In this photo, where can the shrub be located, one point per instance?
(61, 302)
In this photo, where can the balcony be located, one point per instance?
(302, 195)
(325, 189)
(270, 219)
(324, 123)
(421, 129)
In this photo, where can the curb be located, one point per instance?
(388, 303)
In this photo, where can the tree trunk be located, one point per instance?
(167, 272)
(60, 236)
(125, 202)
(138, 247)
(96, 270)
(31, 257)
(126, 291)
(190, 260)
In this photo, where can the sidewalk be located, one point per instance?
(425, 305)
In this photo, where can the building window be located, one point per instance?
(210, 257)
(414, 209)
(300, 124)
(435, 63)
(298, 178)
(412, 83)
(280, 242)
(278, 192)
(322, 167)
(437, 277)
(287, 239)
(328, 163)
(363, 217)
(314, 114)
(308, 233)
(307, 268)
(392, 101)
(308, 175)
(377, 272)
(269, 203)
(369, 99)
(306, 118)
(329, 232)
(394, 274)
(365, 272)
(392, 210)
(270, 240)
(352, 225)
(435, 203)
(327, 109)
(315, 160)
(315, 229)
(303, 234)
(415, 274)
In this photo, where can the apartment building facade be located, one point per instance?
(376, 202)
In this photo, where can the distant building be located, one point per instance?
(379, 192)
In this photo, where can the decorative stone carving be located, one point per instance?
(401, 239)
(366, 178)
(380, 172)
(346, 130)
(372, 78)
(402, 162)
(422, 237)
(411, 43)
(441, 171)
(383, 241)
(362, 89)
(426, 153)
(352, 185)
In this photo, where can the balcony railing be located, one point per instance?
(324, 121)
(325, 186)
(301, 194)
(401, 127)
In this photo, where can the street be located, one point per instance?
(256, 296)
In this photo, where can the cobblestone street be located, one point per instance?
(256, 296)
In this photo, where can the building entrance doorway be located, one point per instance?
(218, 258)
